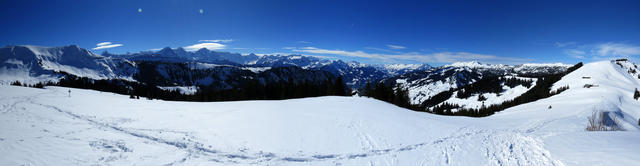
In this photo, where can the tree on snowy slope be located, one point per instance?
(542, 89)
(338, 87)
(636, 94)
(401, 97)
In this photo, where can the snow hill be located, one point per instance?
(50, 127)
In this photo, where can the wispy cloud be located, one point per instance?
(360, 54)
(378, 49)
(575, 53)
(105, 45)
(304, 42)
(441, 57)
(217, 41)
(564, 44)
(209, 46)
(600, 50)
(616, 49)
(395, 46)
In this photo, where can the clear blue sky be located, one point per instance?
(434, 32)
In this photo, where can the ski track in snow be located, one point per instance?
(503, 147)
(193, 148)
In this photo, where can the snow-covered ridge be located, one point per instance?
(472, 64)
(476, 64)
(545, 65)
(27, 63)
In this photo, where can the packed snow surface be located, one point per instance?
(54, 127)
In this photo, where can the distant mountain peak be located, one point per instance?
(472, 64)
(202, 50)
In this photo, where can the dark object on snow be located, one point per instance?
(622, 60)
(636, 94)
(586, 77)
(590, 85)
(549, 106)
(482, 98)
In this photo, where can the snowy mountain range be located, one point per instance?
(31, 64)
(179, 68)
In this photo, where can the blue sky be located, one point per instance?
(433, 32)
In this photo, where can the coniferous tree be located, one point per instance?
(368, 90)
(636, 94)
(401, 97)
(339, 88)
(16, 83)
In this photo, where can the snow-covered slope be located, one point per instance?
(51, 127)
(426, 83)
(31, 64)
(474, 102)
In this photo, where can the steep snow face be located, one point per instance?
(34, 63)
(43, 126)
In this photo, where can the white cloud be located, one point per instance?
(217, 41)
(564, 44)
(209, 46)
(574, 52)
(105, 45)
(396, 46)
(616, 49)
(442, 57)
(599, 51)
(304, 42)
(579, 54)
(378, 49)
